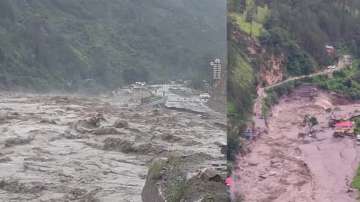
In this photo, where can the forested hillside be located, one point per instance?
(71, 44)
(278, 39)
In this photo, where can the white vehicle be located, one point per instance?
(140, 83)
(204, 97)
(331, 67)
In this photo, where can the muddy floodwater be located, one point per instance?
(69, 148)
(283, 166)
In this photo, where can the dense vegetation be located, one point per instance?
(356, 181)
(301, 29)
(297, 31)
(67, 44)
(241, 93)
(345, 82)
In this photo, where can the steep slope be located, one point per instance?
(279, 39)
(69, 44)
(299, 31)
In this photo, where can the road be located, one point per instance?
(324, 72)
(262, 91)
(309, 170)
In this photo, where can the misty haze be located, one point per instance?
(112, 100)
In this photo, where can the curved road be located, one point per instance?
(262, 91)
(342, 65)
(261, 126)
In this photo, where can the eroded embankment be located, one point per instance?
(283, 166)
(65, 148)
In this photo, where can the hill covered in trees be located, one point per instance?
(69, 44)
(271, 40)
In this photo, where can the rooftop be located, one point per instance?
(344, 124)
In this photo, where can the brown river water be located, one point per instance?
(72, 148)
(282, 167)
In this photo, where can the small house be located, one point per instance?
(347, 60)
(330, 50)
(344, 127)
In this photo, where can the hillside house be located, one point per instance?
(330, 50)
(344, 128)
(347, 60)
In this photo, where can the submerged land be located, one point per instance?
(77, 148)
(285, 163)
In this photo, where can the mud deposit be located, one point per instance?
(66, 148)
(284, 167)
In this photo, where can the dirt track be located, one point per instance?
(342, 64)
(282, 167)
(64, 148)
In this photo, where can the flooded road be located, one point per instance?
(283, 166)
(69, 148)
